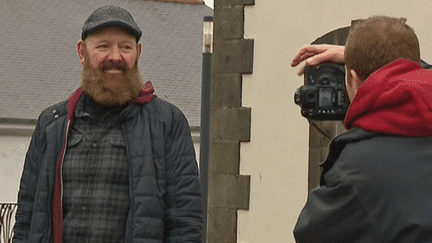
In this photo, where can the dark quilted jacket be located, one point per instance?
(164, 186)
(374, 188)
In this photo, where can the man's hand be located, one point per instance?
(317, 54)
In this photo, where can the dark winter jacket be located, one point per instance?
(376, 181)
(164, 186)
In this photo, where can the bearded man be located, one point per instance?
(113, 163)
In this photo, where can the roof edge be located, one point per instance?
(17, 127)
(192, 2)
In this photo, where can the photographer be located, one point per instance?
(377, 179)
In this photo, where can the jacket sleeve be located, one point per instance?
(333, 213)
(27, 189)
(184, 201)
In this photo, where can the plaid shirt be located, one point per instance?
(95, 176)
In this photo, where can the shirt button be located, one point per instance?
(84, 208)
(94, 145)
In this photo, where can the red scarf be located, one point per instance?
(395, 100)
(146, 96)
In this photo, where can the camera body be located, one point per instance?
(323, 95)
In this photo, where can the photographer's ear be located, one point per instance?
(352, 83)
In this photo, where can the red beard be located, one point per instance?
(109, 91)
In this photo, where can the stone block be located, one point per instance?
(229, 23)
(226, 3)
(222, 225)
(224, 157)
(230, 124)
(233, 56)
(229, 191)
(227, 90)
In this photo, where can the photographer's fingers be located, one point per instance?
(308, 51)
(302, 70)
(315, 55)
(305, 52)
(335, 55)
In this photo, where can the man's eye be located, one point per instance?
(103, 47)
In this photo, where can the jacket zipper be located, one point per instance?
(61, 165)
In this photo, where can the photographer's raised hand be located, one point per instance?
(317, 54)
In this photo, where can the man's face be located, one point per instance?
(110, 73)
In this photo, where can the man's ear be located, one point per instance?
(81, 51)
(355, 80)
(353, 83)
(139, 49)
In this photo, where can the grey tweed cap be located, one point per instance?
(108, 16)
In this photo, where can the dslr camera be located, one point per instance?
(323, 95)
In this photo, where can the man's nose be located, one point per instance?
(115, 54)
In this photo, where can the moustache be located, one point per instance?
(107, 65)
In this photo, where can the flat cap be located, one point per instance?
(108, 16)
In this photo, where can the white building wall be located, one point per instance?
(12, 154)
(277, 156)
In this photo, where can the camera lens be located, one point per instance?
(310, 97)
